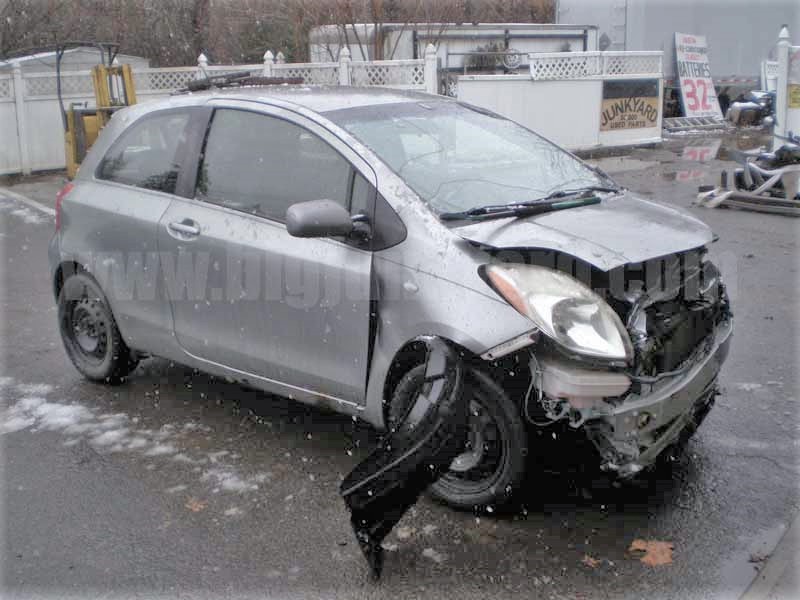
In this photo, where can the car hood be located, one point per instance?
(621, 229)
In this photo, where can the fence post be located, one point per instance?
(280, 59)
(781, 100)
(344, 66)
(431, 70)
(22, 125)
(268, 62)
(202, 64)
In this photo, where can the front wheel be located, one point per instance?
(89, 332)
(493, 464)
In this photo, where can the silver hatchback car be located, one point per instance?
(304, 240)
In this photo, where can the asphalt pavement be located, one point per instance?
(180, 485)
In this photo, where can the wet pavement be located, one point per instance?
(177, 484)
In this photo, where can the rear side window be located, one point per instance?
(262, 165)
(146, 155)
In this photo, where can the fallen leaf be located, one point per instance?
(656, 553)
(195, 505)
(590, 562)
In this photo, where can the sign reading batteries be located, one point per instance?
(629, 104)
(694, 75)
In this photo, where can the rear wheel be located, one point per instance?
(89, 331)
(493, 463)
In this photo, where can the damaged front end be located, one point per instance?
(677, 314)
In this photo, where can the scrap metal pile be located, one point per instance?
(765, 182)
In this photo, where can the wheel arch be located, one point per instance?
(414, 353)
(63, 272)
(511, 372)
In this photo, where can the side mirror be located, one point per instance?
(318, 218)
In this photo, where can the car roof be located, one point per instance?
(319, 99)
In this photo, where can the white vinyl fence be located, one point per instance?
(31, 130)
(580, 100)
(787, 98)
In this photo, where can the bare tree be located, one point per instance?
(174, 32)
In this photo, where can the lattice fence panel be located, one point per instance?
(409, 74)
(567, 65)
(162, 80)
(771, 69)
(6, 88)
(79, 83)
(312, 74)
(632, 64)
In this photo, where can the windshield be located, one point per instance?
(457, 158)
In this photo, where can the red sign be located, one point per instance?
(694, 75)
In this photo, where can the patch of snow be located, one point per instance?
(229, 481)
(404, 533)
(215, 456)
(107, 438)
(28, 216)
(54, 416)
(175, 489)
(117, 432)
(34, 389)
(433, 555)
(748, 387)
(137, 443)
(16, 423)
(192, 426)
(160, 450)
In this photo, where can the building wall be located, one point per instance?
(740, 33)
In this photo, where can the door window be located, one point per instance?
(262, 165)
(146, 155)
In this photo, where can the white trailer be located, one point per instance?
(454, 41)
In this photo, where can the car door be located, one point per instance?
(247, 295)
(111, 222)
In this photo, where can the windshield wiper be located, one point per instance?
(550, 203)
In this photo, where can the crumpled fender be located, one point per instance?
(382, 487)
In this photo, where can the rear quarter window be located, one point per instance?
(147, 154)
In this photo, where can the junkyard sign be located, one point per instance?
(694, 75)
(629, 104)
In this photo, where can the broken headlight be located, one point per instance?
(563, 309)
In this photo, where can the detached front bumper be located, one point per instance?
(632, 434)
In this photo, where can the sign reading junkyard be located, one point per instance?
(697, 89)
(629, 104)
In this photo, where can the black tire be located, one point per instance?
(503, 440)
(89, 331)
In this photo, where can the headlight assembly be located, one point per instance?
(563, 309)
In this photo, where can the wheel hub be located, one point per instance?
(473, 455)
(88, 327)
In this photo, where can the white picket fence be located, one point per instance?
(31, 131)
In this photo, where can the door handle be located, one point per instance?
(186, 228)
